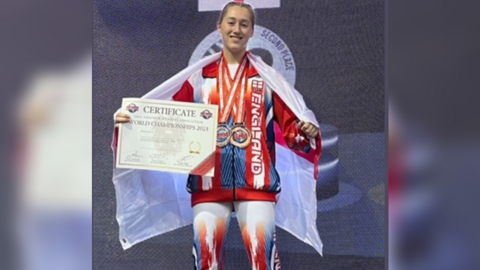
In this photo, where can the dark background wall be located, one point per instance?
(338, 48)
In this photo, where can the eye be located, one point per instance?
(231, 23)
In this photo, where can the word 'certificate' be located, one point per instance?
(168, 136)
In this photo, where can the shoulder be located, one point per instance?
(210, 70)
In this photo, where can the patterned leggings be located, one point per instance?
(257, 224)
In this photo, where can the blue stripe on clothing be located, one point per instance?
(227, 167)
(274, 179)
(197, 253)
(240, 167)
(192, 183)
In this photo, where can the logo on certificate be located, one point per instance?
(194, 147)
(132, 107)
(206, 114)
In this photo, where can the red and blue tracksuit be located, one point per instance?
(245, 179)
(243, 174)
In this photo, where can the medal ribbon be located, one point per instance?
(239, 116)
(225, 110)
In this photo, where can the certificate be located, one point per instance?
(168, 136)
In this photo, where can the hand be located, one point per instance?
(309, 129)
(122, 118)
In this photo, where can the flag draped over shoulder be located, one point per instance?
(150, 203)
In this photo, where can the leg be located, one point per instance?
(257, 223)
(210, 223)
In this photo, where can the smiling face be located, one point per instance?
(236, 27)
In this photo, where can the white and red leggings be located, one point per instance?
(257, 224)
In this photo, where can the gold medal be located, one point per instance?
(240, 136)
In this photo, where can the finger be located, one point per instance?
(304, 125)
(123, 115)
(309, 128)
(122, 120)
(312, 131)
(306, 128)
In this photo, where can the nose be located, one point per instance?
(236, 28)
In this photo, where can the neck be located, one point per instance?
(233, 58)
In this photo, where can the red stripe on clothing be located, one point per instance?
(218, 236)
(206, 250)
(257, 153)
(217, 178)
(260, 254)
(215, 100)
(206, 165)
(226, 195)
(248, 123)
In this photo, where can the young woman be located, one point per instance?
(246, 181)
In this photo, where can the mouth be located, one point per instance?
(236, 37)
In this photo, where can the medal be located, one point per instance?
(240, 136)
(223, 135)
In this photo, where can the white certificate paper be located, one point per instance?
(168, 136)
